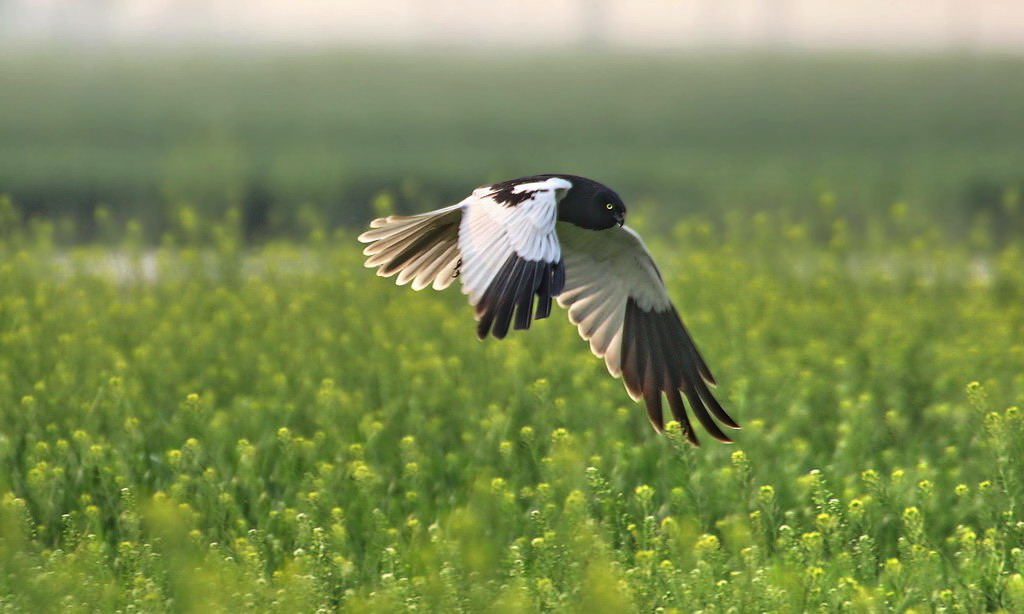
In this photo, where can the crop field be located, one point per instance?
(204, 427)
(208, 404)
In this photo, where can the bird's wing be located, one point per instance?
(420, 248)
(617, 300)
(510, 252)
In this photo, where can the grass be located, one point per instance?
(205, 427)
(141, 132)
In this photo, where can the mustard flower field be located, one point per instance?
(205, 427)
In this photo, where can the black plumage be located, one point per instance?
(505, 193)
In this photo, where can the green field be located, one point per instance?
(207, 403)
(210, 428)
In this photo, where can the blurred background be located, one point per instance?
(322, 112)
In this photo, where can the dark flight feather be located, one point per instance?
(512, 292)
(544, 296)
(675, 401)
(658, 356)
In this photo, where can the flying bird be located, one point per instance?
(518, 245)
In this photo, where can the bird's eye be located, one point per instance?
(608, 206)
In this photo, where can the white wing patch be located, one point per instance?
(492, 231)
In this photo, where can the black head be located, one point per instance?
(591, 205)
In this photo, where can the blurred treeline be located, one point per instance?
(281, 140)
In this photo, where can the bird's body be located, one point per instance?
(518, 245)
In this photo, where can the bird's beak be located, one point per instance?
(621, 219)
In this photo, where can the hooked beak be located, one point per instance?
(620, 218)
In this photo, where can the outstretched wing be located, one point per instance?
(510, 252)
(617, 300)
(420, 248)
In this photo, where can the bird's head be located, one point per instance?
(592, 206)
(614, 208)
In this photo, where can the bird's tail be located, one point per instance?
(423, 249)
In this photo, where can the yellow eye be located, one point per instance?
(608, 206)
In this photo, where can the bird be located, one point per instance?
(518, 245)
